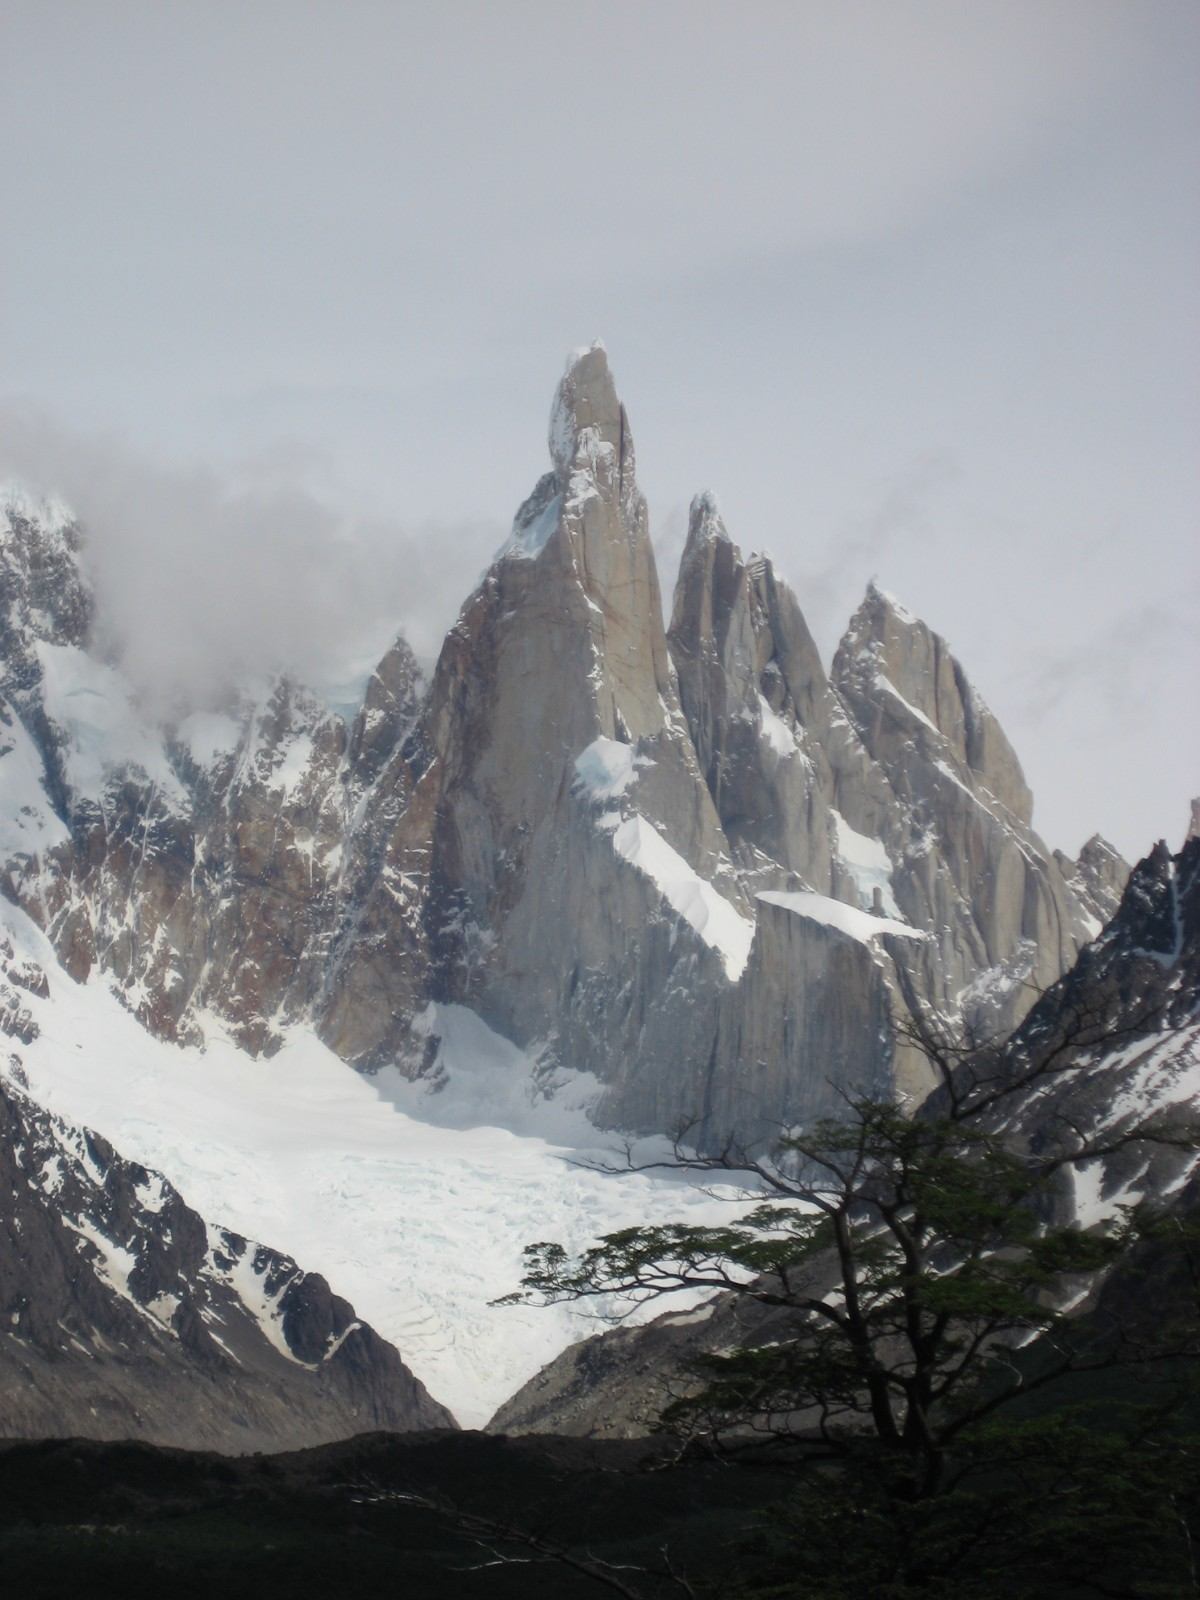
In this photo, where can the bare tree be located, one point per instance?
(503, 1542)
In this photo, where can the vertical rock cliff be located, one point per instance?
(568, 868)
(969, 866)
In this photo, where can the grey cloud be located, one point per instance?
(1109, 673)
(670, 535)
(1105, 729)
(901, 513)
(203, 578)
(829, 591)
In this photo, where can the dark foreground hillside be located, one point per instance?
(80, 1517)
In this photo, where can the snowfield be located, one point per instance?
(414, 1205)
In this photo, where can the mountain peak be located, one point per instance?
(21, 503)
(705, 510)
(1098, 849)
(1102, 874)
(882, 600)
(892, 669)
(585, 402)
(706, 526)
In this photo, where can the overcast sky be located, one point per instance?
(912, 285)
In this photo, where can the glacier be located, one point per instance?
(414, 1201)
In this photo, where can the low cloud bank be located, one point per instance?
(204, 578)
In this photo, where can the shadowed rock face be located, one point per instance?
(568, 831)
(214, 890)
(1139, 984)
(205, 865)
(123, 1314)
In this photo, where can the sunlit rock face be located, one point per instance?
(570, 829)
(889, 786)
(969, 867)
(1098, 876)
(773, 741)
(555, 789)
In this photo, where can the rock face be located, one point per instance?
(204, 864)
(776, 747)
(968, 863)
(1124, 1025)
(1136, 988)
(661, 785)
(555, 791)
(571, 831)
(123, 1314)
(890, 787)
(1098, 876)
(616, 1385)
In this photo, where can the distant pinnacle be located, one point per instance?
(876, 595)
(705, 522)
(706, 533)
(586, 399)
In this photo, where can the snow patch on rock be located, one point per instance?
(868, 863)
(481, 1079)
(885, 686)
(607, 769)
(528, 539)
(28, 822)
(775, 730)
(93, 706)
(859, 925)
(686, 892)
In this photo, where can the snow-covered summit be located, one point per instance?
(20, 503)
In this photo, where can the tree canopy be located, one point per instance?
(950, 1427)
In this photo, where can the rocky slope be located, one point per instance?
(1124, 1024)
(124, 1314)
(1127, 1017)
(689, 861)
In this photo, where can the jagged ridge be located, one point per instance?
(568, 832)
